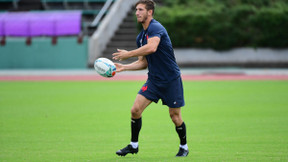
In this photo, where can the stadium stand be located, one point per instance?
(31, 24)
(105, 33)
(50, 34)
(89, 9)
(28, 5)
(8, 5)
(24, 31)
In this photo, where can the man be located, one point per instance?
(164, 81)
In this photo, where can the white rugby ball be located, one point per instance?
(105, 67)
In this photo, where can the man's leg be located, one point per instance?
(136, 123)
(136, 117)
(175, 114)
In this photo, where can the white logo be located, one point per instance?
(175, 102)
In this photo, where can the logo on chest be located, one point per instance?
(143, 40)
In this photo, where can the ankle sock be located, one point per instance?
(134, 144)
(185, 147)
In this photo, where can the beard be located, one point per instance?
(144, 19)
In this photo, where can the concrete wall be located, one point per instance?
(239, 57)
(41, 54)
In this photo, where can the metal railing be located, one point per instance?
(103, 10)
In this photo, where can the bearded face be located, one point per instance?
(141, 13)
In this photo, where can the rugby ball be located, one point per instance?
(105, 67)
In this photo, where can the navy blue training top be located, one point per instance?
(162, 64)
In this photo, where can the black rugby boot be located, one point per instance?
(182, 152)
(128, 149)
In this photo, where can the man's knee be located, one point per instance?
(138, 107)
(136, 111)
(176, 117)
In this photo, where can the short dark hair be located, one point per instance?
(150, 4)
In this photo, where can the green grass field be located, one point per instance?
(90, 121)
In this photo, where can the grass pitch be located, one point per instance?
(90, 121)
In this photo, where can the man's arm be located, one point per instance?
(147, 49)
(140, 64)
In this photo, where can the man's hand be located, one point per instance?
(119, 67)
(120, 55)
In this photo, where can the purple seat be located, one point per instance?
(54, 23)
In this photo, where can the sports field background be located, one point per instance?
(90, 121)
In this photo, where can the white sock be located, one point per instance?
(134, 144)
(185, 147)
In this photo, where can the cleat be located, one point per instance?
(128, 149)
(182, 153)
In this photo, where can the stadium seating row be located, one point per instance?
(29, 24)
(14, 5)
(89, 9)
